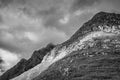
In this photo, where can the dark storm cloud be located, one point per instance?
(47, 12)
(52, 20)
(4, 3)
(1, 61)
(1, 19)
(53, 13)
(81, 4)
(50, 16)
(9, 47)
(1, 67)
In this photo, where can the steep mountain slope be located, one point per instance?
(25, 65)
(92, 53)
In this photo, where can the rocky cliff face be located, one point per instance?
(92, 53)
(25, 65)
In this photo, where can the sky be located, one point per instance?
(28, 25)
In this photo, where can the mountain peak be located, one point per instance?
(102, 13)
(107, 18)
(100, 19)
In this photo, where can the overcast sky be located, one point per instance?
(28, 25)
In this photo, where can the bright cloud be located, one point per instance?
(65, 20)
(31, 36)
(9, 58)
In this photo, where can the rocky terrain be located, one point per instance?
(92, 53)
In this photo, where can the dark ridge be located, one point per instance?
(24, 65)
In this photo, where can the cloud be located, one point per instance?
(5, 2)
(31, 36)
(53, 35)
(65, 19)
(82, 4)
(9, 58)
(47, 12)
(21, 33)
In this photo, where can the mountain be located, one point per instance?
(92, 53)
(24, 65)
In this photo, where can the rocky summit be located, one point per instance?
(92, 53)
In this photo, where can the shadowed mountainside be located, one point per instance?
(24, 65)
